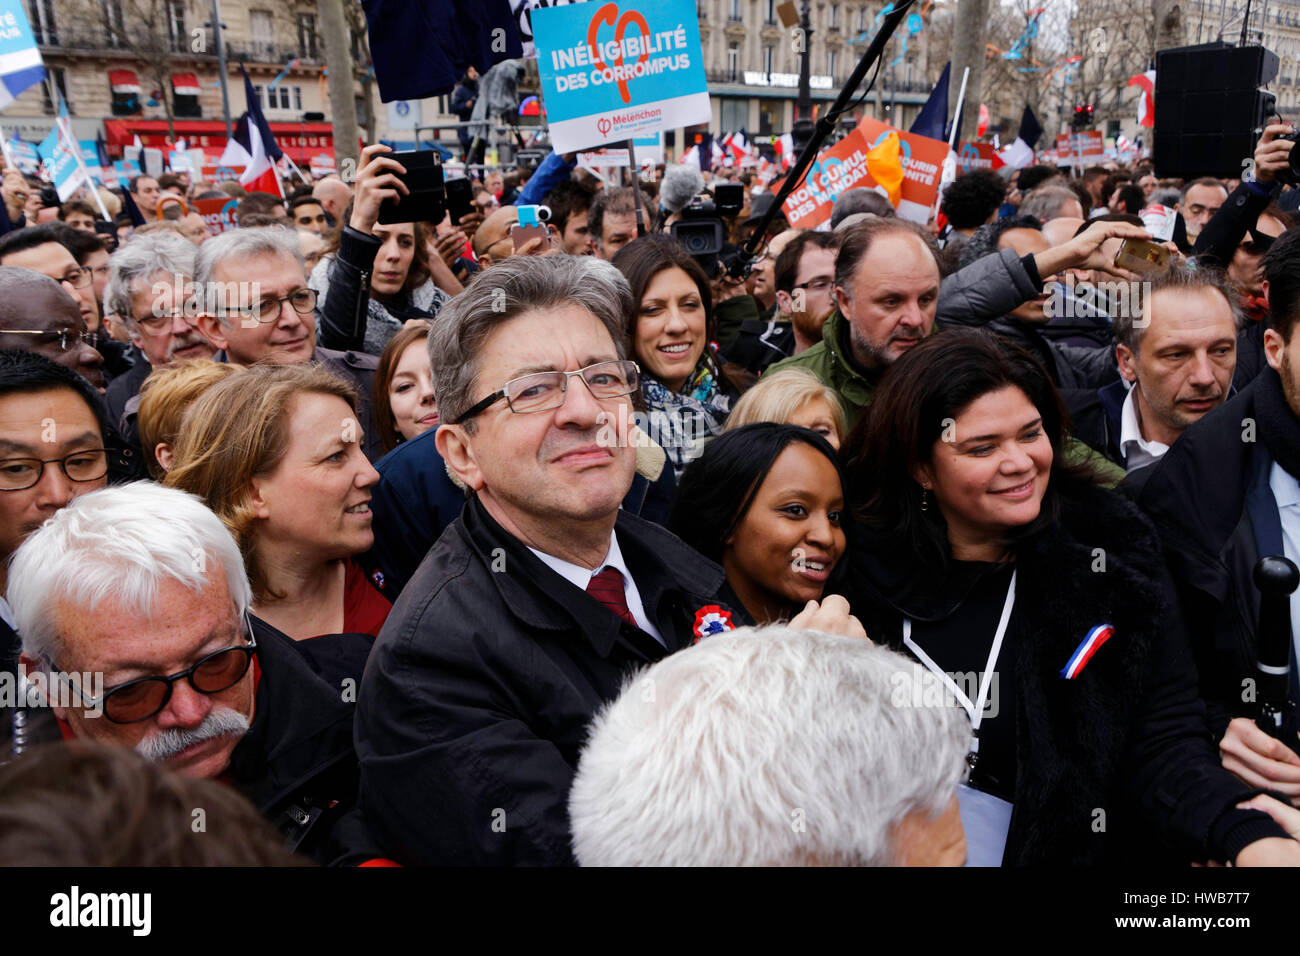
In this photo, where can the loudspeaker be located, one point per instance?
(1209, 106)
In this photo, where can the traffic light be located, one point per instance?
(1082, 117)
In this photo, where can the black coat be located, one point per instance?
(1128, 735)
(1096, 418)
(478, 693)
(1210, 500)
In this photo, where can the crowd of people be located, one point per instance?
(453, 543)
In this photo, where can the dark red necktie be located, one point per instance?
(607, 588)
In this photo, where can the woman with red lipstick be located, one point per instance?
(766, 501)
(275, 451)
(687, 394)
(1042, 601)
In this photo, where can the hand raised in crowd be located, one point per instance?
(16, 192)
(1260, 760)
(831, 616)
(469, 223)
(449, 246)
(1272, 155)
(1088, 250)
(377, 180)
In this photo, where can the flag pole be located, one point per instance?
(961, 99)
(4, 146)
(65, 130)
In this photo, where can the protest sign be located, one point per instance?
(977, 156)
(611, 72)
(218, 214)
(61, 164)
(323, 165)
(90, 159)
(603, 158)
(922, 160)
(24, 154)
(843, 166)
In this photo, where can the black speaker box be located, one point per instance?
(1208, 107)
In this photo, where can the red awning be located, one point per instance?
(300, 141)
(186, 84)
(124, 81)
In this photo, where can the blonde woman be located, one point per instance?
(793, 396)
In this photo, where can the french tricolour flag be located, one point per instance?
(1098, 636)
(252, 146)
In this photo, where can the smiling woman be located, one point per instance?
(687, 394)
(275, 451)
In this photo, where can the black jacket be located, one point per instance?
(1127, 736)
(759, 343)
(344, 317)
(478, 693)
(1211, 502)
(1218, 241)
(1096, 418)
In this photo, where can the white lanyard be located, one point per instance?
(974, 711)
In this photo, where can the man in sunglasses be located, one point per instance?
(537, 602)
(157, 613)
(254, 306)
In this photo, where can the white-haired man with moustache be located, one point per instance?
(145, 586)
(704, 759)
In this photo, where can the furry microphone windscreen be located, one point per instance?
(680, 185)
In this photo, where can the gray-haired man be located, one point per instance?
(256, 307)
(536, 603)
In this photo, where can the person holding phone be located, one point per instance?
(379, 277)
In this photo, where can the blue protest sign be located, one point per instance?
(618, 70)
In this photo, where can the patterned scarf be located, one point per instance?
(682, 422)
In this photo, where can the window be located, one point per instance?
(262, 33)
(735, 9)
(307, 35)
(125, 87)
(114, 24)
(176, 26)
(281, 98)
(830, 63)
(768, 51)
(56, 74)
(734, 114)
(733, 60)
(43, 27)
(185, 95)
(862, 19)
(771, 11)
(835, 16)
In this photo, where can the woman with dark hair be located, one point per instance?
(687, 394)
(766, 502)
(373, 278)
(1043, 601)
(403, 400)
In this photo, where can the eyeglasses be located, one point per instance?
(542, 391)
(161, 323)
(86, 465)
(268, 310)
(142, 698)
(77, 278)
(820, 284)
(67, 338)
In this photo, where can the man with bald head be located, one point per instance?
(492, 241)
(333, 195)
(38, 315)
(48, 250)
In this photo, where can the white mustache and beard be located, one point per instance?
(220, 722)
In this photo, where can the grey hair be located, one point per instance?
(1137, 298)
(1045, 202)
(118, 543)
(510, 288)
(243, 244)
(136, 264)
(708, 757)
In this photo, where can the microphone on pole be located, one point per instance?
(1276, 578)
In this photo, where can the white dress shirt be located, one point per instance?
(580, 577)
(1137, 450)
(1286, 492)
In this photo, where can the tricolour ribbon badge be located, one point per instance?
(1098, 636)
(712, 619)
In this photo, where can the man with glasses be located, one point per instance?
(534, 605)
(51, 450)
(804, 275)
(38, 315)
(157, 613)
(254, 306)
(48, 250)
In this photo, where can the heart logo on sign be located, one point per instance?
(608, 14)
